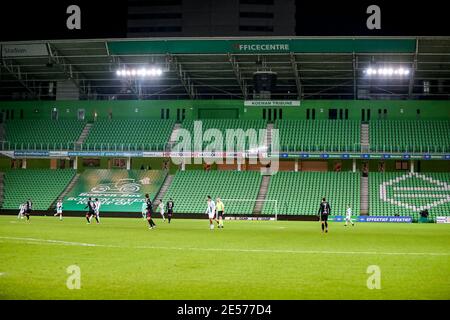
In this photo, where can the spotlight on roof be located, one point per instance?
(141, 73)
(387, 72)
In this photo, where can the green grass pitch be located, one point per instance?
(123, 259)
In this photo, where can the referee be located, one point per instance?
(324, 211)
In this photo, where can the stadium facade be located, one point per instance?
(366, 116)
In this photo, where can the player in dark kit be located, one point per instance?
(169, 206)
(324, 211)
(91, 212)
(28, 208)
(149, 211)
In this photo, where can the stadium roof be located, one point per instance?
(222, 68)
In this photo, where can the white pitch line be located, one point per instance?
(82, 244)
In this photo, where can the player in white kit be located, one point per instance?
(59, 206)
(144, 210)
(97, 209)
(348, 216)
(161, 209)
(211, 212)
(21, 211)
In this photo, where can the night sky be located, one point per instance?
(34, 20)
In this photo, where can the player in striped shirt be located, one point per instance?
(28, 208)
(324, 212)
(91, 210)
(170, 204)
(149, 213)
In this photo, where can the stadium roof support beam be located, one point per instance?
(66, 68)
(237, 73)
(18, 76)
(413, 71)
(355, 84)
(298, 83)
(186, 81)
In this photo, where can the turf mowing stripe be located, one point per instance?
(69, 243)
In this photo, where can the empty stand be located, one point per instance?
(300, 193)
(42, 134)
(410, 136)
(43, 186)
(223, 124)
(189, 190)
(127, 134)
(406, 194)
(319, 135)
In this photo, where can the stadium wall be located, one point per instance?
(285, 165)
(195, 109)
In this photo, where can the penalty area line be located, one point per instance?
(83, 244)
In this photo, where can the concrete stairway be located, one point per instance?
(69, 188)
(173, 136)
(364, 200)
(84, 134)
(257, 209)
(163, 190)
(269, 135)
(365, 140)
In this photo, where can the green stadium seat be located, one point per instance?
(189, 190)
(406, 194)
(43, 186)
(130, 134)
(319, 135)
(42, 134)
(300, 193)
(410, 136)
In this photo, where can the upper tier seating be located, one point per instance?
(410, 136)
(126, 134)
(42, 134)
(319, 135)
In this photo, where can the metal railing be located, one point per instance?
(148, 147)
(358, 148)
(73, 146)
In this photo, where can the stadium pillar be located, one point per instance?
(296, 165)
(239, 166)
(354, 165)
(75, 163)
(128, 163)
(183, 165)
(411, 166)
(24, 163)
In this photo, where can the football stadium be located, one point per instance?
(225, 168)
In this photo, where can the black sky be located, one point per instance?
(45, 19)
